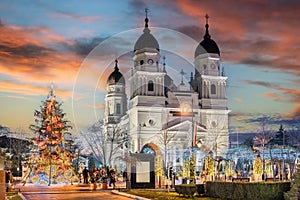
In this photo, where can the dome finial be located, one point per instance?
(146, 19)
(116, 65)
(206, 36)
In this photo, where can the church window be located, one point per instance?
(150, 86)
(213, 89)
(141, 62)
(118, 108)
(151, 122)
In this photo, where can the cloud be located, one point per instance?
(258, 33)
(191, 30)
(98, 106)
(68, 15)
(240, 100)
(31, 90)
(83, 46)
(286, 95)
(28, 55)
(247, 122)
(138, 7)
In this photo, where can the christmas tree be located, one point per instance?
(50, 161)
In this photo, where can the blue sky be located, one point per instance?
(44, 42)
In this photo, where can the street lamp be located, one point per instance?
(185, 110)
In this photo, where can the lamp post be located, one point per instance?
(185, 111)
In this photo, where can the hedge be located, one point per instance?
(251, 191)
(189, 189)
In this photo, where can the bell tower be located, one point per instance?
(147, 78)
(116, 98)
(209, 82)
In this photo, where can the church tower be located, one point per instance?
(209, 81)
(147, 95)
(116, 99)
(210, 84)
(147, 76)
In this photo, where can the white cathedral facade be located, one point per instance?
(159, 114)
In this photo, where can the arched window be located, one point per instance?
(141, 62)
(213, 89)
(118, 108)
(150, 86)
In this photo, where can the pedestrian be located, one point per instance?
(112, 176)
(125, 176)
(8, 180)
(85, 174)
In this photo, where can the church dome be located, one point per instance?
(146, 40)
(207, 45)
(116, 76)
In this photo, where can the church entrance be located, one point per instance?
(153, 149)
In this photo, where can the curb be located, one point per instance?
(22, 196)
(129, 195)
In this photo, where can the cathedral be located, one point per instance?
(162, 118)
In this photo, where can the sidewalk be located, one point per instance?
(69, 187)
(76, 191)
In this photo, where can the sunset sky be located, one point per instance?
(51, 42)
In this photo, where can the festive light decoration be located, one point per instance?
(50, 161)
(158, 166)
(209, 165)
(257, 166)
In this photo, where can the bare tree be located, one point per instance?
(105, 143)
(19, 147)
(262, 138)
(165, 137)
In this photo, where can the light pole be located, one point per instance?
(185, 111)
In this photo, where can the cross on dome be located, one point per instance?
(182, 74)
(146, 19)
(116, 64)
(206, 27)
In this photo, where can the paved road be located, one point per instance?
(107, 195)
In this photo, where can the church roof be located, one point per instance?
(146, 40)
(207, 45)
(116, 76)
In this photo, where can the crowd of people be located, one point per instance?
(103, 175)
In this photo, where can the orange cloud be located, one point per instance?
(250, 32)
(240, 100)
(25, 89)
(288, 95)
(98, 106)
(28, 55)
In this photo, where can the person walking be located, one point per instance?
(112, 176)
(85, 174)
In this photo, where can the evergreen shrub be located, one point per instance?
(244, 190)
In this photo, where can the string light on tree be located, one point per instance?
(50, 161)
